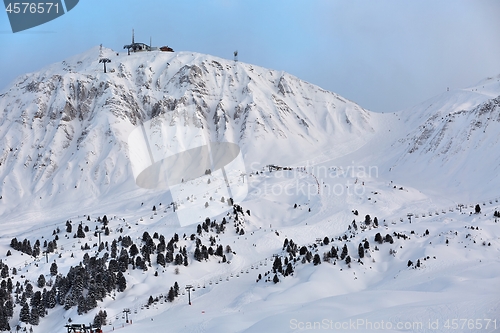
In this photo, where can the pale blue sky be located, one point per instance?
(384, 55)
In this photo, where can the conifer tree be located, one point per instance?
(171, 295)
(361, 251)
(344, 253)
(41, 281)
(316, 260)
(24, 315)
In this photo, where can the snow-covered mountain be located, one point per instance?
(452, 140)
(373, 221)
(66, 127)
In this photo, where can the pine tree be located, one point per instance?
(176, 288)
(276, 279)
(53, 269)
(368, 219)
(478, 209)
(4, 321)
(80, 233)
(378, 238)
(333, 252)
(133, 250)
(24, 315)
(41, 281)
(277, 265)
(4, 273)
(361, 251)
(171, 295)
(121, 282)
(34, 316)
(316, 260)
(344, 253)
(348, 260)
(388, 238)
(160, 259)
(51, 301)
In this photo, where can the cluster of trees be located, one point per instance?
(173, 292)
(388, 238)
(209, 225)
(417, 265)
(100, 317)
(362, 247)
(239, 219)
(496, 214)
(401, 235)
(368, 221)
(98, 276)
(89, 282)
(25, 247)
(140, 256)
(6, 301)
(34, 304)
(202, 252)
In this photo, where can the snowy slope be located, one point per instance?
(446, 146)
(455, 136)
(64, 157)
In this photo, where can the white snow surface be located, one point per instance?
(64, 155)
